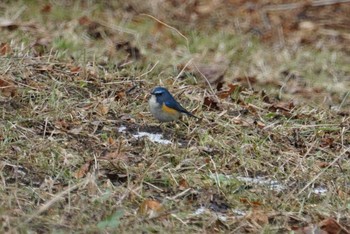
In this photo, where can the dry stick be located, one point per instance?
(316, 177)
(210, 87)
(296, 167)
(55, 199)
(291, 6)
(161, 22)
(319, 174)
(148, 71)
(117, 28)
(182, 70)
(180, 194)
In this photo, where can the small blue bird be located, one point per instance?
(164, 107)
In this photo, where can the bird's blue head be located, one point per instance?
(162, 95)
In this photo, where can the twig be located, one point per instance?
(319, 174)
(291, 6)
(182, 70)
(55, 199)
(171, 27)
(180, 194)
(210, 87)
(148, 71)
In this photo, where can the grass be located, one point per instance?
(65, 167)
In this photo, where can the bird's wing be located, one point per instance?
(176, 106)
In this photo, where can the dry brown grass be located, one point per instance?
(270, 154)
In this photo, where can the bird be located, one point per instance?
(164, 107)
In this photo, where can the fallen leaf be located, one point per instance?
(102, 109)
(252, 203)
(183, 184)
(225, 94)
(210, 103)
(150, 208)
(84, 20)
(326, 142)
(282, 106)
(331, 226)
(46, 9)
(115, 155)
(5, 48)
(111, 141)
(120, 95)
(75, 69)
(257, 217)
(62, 124)
(7, 88)
(322, 164)
(260, 124)
(341, 194)
(81, 172)
(250, 80)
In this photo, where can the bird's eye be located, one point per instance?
(158, 93)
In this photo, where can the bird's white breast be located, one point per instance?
(153, 104)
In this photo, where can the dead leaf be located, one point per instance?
(225, 94)
(75, 69)
(210, 103)
(120, 95)
(252, 203)
(247, 80)
(322, 164)
(183, 184)
(150, 208)
(326, 142)
(331, 226)
(102, 109)
(259, 124)
(282, 106)
(83, 170)
(5, 49)
(46, 9)
(257, 217)
(341, 194)
(7, 88)
(111, 141)
(84, 20)
(62, 124)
